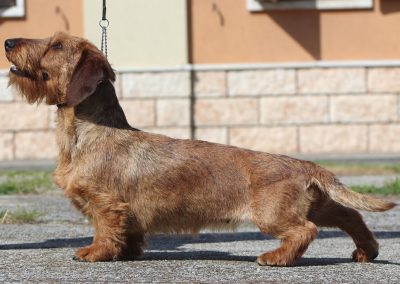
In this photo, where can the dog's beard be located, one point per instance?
(33, 91)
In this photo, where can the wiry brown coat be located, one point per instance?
(131, 183)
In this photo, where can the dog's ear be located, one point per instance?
(91, 70)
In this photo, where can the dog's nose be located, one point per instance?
(9, 44)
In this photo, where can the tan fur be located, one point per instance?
(131, 183)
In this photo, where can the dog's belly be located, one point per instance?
(195, 228)
(193, 221)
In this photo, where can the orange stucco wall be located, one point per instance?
(42, 19)
(224, 31)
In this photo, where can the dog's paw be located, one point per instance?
(94, 253)
(78, 259)
(360, 255)
(272, 259)
(86, 254)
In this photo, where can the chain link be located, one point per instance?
(104, 25)
(104, 40)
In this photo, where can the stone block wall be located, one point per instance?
(333, 110)
(290, 110)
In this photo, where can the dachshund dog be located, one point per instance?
(131, 183)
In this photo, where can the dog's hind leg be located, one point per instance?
(295, 240)
(280, 212)
(332, 214)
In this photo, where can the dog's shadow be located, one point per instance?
(160, 247)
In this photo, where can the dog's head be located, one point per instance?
(61, 69)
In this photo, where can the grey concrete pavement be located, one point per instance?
(43, 252)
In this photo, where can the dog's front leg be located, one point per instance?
(109, 217)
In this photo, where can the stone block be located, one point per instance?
(6, 146)
(174, 132)
(173, 112)
(226, 111)
(384, 138)
(32, 145)
(213, 134)
(294, 110)
(21, 116)
(6, 93)
(139, 112)
(210, 84)
(155, 84)
(364, 108)
(333, 139)
(118, 85)
(261, 82)
(268, 139)
(331, 80)
(384, 79)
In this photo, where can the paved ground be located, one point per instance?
(43, 253)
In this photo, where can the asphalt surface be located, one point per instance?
(43, 252)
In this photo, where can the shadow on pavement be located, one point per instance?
(171, 242)
(159, 243)
(48, 244)
(195, 255)
(174, 241)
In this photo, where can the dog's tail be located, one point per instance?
(330, 185)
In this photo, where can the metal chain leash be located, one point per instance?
(104, 38)
(104, 23)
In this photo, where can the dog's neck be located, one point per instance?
(75, 124)
(102, 108)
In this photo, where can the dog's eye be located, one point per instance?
(45, 76)
(57, 45)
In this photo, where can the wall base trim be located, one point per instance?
(254, 66)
